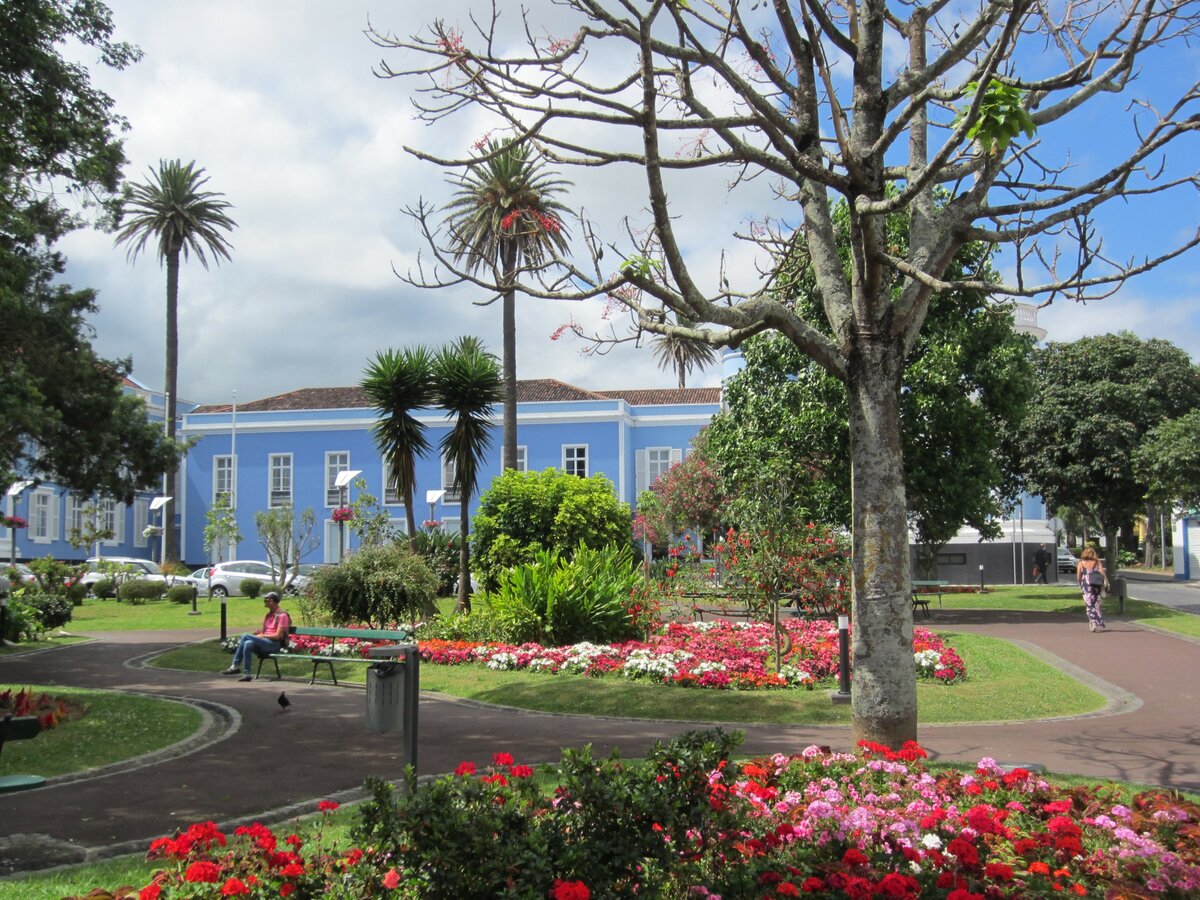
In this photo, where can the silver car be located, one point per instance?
(225, 579)
(100, 568)
(1067, 563)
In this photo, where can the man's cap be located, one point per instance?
(270, 595)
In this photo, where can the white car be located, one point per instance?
(225, 579)
(129, 566)
(1067, 562)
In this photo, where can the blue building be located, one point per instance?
(52, 513)
(288, 450)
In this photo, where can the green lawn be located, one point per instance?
(142, 723)
(241, 614)
(1005, 683)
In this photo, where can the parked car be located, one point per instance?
(197, 580)
(1066, 561)
(136, 568)
(21, 575)
(225, 579)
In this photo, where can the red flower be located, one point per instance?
(998, 872)
(286, 889)
(569, 890)
(234, 887)
(812, 884)
(502, 759)
(391, 880)
(292, 870)
(327, 806)
(149, 892)
(521, 772)
(787, 889)
(964, 851)
(465, 768)
(854, 857)
(1039, 868)
(208, 872)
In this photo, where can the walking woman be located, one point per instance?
(1092, 581)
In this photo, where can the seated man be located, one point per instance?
(269, 640)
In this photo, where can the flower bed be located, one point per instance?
(702, 654)
(692, 824)
(719, 655)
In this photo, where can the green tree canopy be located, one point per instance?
(1098, 399)
(1168, 461)
(65, 415)
(963, 393)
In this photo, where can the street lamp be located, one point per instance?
(342, 483)
(156, 505)
(433, 498)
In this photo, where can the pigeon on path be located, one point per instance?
(283, 701)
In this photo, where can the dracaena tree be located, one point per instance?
(958, 119)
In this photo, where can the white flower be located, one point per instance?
(502, 661)
(931, 842)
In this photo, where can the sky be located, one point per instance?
(279, 103)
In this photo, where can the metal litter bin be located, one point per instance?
(1117, 587)
(385, 697)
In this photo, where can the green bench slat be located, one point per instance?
(361, 634)
(19, 728)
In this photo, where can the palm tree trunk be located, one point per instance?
(464, 560)
(171, 550)
(509, 451)
(410, 519)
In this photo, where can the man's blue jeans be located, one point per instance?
(250, 646)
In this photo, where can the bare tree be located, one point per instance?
(930, 111)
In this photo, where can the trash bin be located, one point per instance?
(385, 697)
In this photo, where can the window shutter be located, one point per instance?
(643, 474)
(676, 455)
(53, 535)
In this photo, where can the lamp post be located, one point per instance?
(842, 694)
(156, 505)
(342, 483)
(433, 498)
(14, 491)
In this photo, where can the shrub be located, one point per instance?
(22, 622)
(53, 576)
(249, 587)
(137, 590)
(564, 601)
(76, 592)
(51, 610)
(105, 589)
(440, 552)
(379, 585)
(615, 827)
(180, 593)
(523, 512)
(480, 624)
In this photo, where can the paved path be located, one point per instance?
(256, 762)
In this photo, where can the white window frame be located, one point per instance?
(225, 470)
(391, 492)
(522, 458)
(647, 471)
(111, 516)
(282, 462)
(399, 526)
(571, 454)
(448, 471)
(73, 517)
(336, 462)
(43, 516)
(451, 524)
(141, 518)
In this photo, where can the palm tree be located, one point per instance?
(504, 217)
(396, 383)
(682, 354)
(172, 210)
(469, 383)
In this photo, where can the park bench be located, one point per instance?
(358, 634)
(922, 603)
(19, 728)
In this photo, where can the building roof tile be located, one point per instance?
(538, 390)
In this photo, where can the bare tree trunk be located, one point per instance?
(171, 548)
(884, 694)
(1152, 542)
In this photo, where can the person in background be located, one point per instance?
(270, 639)
(1092, 581)
(1041, 564)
